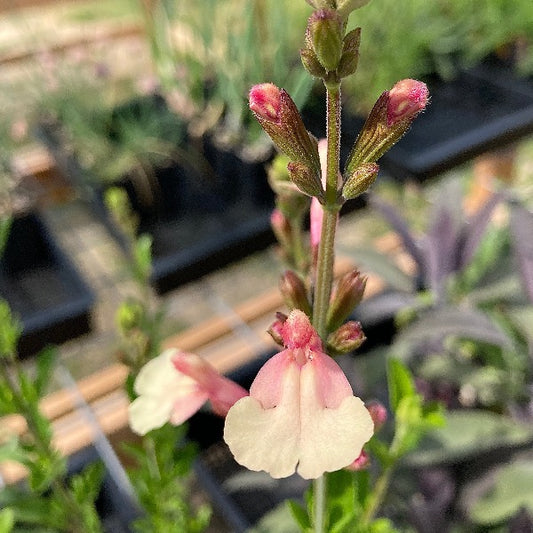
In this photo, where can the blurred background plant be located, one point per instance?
(208, 54)
(444, 36)
(163, 459)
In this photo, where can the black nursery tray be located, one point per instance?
(200, 217)
(42, 287)
(480, 110)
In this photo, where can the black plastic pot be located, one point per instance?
(203, 211)
(42, 287)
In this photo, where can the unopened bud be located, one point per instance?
(345, 7)
(281, 228)
(347, 338)
(389, 120)
(350, 53)
(311, 63)
(305, 179)
(294, 292)
(281, 120)
(276, 329)
(378, 413)
(265, 101)
(324, 33)
(360, 180)
(348, 293)
(321, 4)
(406, 100)
(361, 463)
(129, 316)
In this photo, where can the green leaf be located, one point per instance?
(45, 365)
(512, 490)
(299, 514)
(468, 434)
(142, 255)
(341, 501)
(280, 520)
(400, 382)
(7, 520)
(10, 330)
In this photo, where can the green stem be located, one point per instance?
(377, 495)
(326, 257)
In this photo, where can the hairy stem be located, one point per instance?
(326, 257)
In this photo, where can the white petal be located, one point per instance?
(158, 374)
(267, 439)
(148, 412)
(330, 438)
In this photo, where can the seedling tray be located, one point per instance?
(42, 287)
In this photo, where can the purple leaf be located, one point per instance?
(522, 238)
(400, 226)
(473, 231)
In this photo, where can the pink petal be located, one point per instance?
(267, 385)
(186, 406)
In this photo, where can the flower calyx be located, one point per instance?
(389, 119)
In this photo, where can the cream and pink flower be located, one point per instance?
(174, 386)
(301, 414)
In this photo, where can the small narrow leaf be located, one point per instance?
(400, 382)
(45, 365)
(300, 515)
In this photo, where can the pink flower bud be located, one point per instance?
(361, 463)
(406, 99)
(378, 413)
(265, 101)
(388, 121)
(279, 117)
(276, 329)
(281, 228)
(347, 338)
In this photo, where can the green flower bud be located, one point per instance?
(389, 120)
(324, 31)
(347, 338)
(306, 180)
(348, 294)
(360, 180)
(294, 292)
